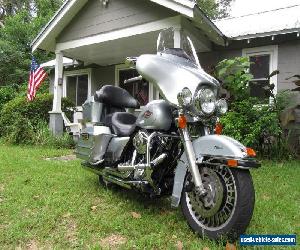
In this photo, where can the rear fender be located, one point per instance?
(211, 146)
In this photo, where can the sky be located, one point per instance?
(244, 7)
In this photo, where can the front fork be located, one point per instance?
(190, 155)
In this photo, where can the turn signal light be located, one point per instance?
(251, 152)
(182, 123)
(218, 128)
(232, 163)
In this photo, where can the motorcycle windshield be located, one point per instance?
(178, 44)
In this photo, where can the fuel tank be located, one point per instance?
(155, 115)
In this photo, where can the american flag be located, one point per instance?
(36, 77)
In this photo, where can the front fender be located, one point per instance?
(212, 146)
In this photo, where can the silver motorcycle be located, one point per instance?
(172, 148)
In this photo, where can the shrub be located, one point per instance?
(21, 120)
(7, 93)
(254, 125)
(44, 137)
(233, 73)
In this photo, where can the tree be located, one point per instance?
(215, 8)
(22, 20)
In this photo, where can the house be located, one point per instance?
(271, 39)
(97, 36)
(100, 34)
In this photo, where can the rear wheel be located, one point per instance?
(227, 208)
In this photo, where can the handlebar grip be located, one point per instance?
(135, 79)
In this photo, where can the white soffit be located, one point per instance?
(51, 64)
(46, 39)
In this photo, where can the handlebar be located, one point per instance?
(134, 79)
(131, 61)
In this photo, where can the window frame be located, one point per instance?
(79, 72)
(271, 50)
(121, 67)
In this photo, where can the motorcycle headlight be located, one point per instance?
(205, 101)
(222, 106)
(185, 97)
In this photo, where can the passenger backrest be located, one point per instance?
(116, 97)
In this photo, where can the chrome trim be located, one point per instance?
(190, 154)
(152, 164)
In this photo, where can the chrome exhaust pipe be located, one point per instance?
(112, 176)
(154, 163)
(115, 180)
(123, 183)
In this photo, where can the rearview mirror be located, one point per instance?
(130, 62)
(274, 73)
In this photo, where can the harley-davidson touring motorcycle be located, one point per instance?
(172, 147)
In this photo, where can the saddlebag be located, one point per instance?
(92, 111)
(92, 144)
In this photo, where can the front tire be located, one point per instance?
(226, 211)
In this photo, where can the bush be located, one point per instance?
(44, 137)
(233, 73)
(257, 127)
(7, 93)
(21, 120)
(254, 125)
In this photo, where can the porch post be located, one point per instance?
(56, 120)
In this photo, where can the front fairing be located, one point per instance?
(170, 74)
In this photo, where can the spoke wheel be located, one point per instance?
(226, 209)
(215, 209)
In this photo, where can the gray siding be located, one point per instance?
(210, 59)
(288, 63)
(95, 19)
(102, 76)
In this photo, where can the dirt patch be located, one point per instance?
(113, 241)
(1, 188)
(266, 197)
(136, 215)
(66, 226)
(32, 245)
(71, 232)
(62, 158)
(179, 245)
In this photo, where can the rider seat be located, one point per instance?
(116, 100)
(123, 123)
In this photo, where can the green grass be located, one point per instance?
(54, 204)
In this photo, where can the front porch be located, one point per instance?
(101, 56)
(102, 63)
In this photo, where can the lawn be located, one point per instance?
(56, 204)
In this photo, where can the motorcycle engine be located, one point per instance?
(158, 144)
(140, 142)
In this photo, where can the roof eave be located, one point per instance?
(184, 7)
(214, 33)
(69, 6)
(266, 34)
(49, 23)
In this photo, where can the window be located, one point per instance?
(139, 90)
(77, 86)
(263, 62)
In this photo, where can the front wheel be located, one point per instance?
(227, 208)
